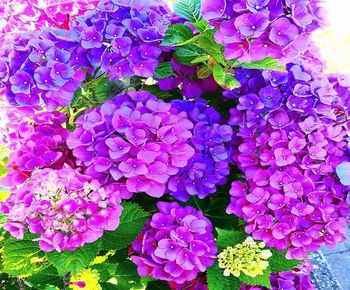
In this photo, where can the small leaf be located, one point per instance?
(265, 64)
(217, 280)
(206, 41)
(188, 9)
(224, 79)
(261, 280)
(132, 221)
(73, 261)
(46, 277)
(187, 53)
(229, 238)
(199, 59)
(279, 263)
(201, 25)
(17, 257)
(177, 35)
(164, 70)
(203, 72)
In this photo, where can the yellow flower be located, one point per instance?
(101, 259)
(248, 257)
(88, 278)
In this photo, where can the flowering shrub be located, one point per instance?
(202, 147)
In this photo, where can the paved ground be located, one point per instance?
(339, 262)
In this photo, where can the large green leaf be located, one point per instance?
(126, 276)
(18, 256)
(261, 280)
(229, 238)
(265, 64)
(46, 277)
(206, 42)
(279, 263)
(177, 35)
(217, 280)
(74, 261)
(188, 9)
(132, 221)
(164, 70)
(187, 53)
(224, 79)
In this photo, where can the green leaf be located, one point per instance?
(229, 238)
(177, 35)
(224, 79)
(279, 263)
(265, 64)
(187, 53)
(102, 89)
(157, 285)
(203, 72)
(188, 9)
(126, 276)
(132, 221)
(74, 261)
(261, 280)
(201, 25)
(217, 280)
(164, 70)
(206, 41)
(18, 255)
(46, 277)
(199, 59)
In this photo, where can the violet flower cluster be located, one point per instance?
(123, 37)
(19, 16)
(66, 209)
(42, 67)
(251, 30)
(36, 141)
(210, 165)
(293, 130)
(134, 139)
(296, 279)
(175, 245)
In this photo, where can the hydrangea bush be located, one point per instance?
(201, 146)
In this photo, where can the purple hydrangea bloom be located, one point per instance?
(64, 208)
(211, 140)
(35, 143)
(134, 138)
(128, 35)
(298, 278)
(255, 29)
(39, 69)
(291, 142)
(176, 244)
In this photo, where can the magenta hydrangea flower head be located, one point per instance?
(134, 138)
(123, 37)
(291, 142)
(64, 208)
(255, 29)
(35, 140)
(175, 245)
(210, 165)
(42, 68)
(298, 278)
(19, 16)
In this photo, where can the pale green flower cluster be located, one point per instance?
(248, 257)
